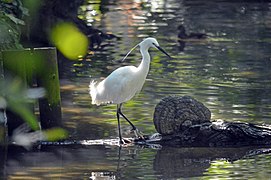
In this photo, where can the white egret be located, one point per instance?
(123, 83)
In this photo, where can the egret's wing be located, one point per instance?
(116, 88)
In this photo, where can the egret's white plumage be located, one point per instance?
(120, 86)
(123, 83)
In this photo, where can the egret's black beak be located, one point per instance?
(162, 50)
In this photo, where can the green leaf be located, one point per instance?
(55, 134)
(24, 112)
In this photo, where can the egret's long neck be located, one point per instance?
(145, 63)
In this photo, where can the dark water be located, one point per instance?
(230, 72)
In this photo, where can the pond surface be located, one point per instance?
(229, 71)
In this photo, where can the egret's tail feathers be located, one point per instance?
(97, 94)
(93, 91)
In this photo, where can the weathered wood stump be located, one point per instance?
(183, 121)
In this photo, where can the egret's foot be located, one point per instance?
(121, 142)
(125, 141)
(139, 135)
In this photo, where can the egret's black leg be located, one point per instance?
(119, 111)
(118, 117)
(136, 131)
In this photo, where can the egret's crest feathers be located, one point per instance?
(129, 52)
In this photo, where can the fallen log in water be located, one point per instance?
(183, 121)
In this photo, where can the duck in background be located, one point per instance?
(183, 36)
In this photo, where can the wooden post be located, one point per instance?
(50, 106)
(37, 67)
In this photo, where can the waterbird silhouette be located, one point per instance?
(183, 35)
(123, 83)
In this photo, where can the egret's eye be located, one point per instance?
(154, 44)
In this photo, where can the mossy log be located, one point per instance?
(183, 121)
